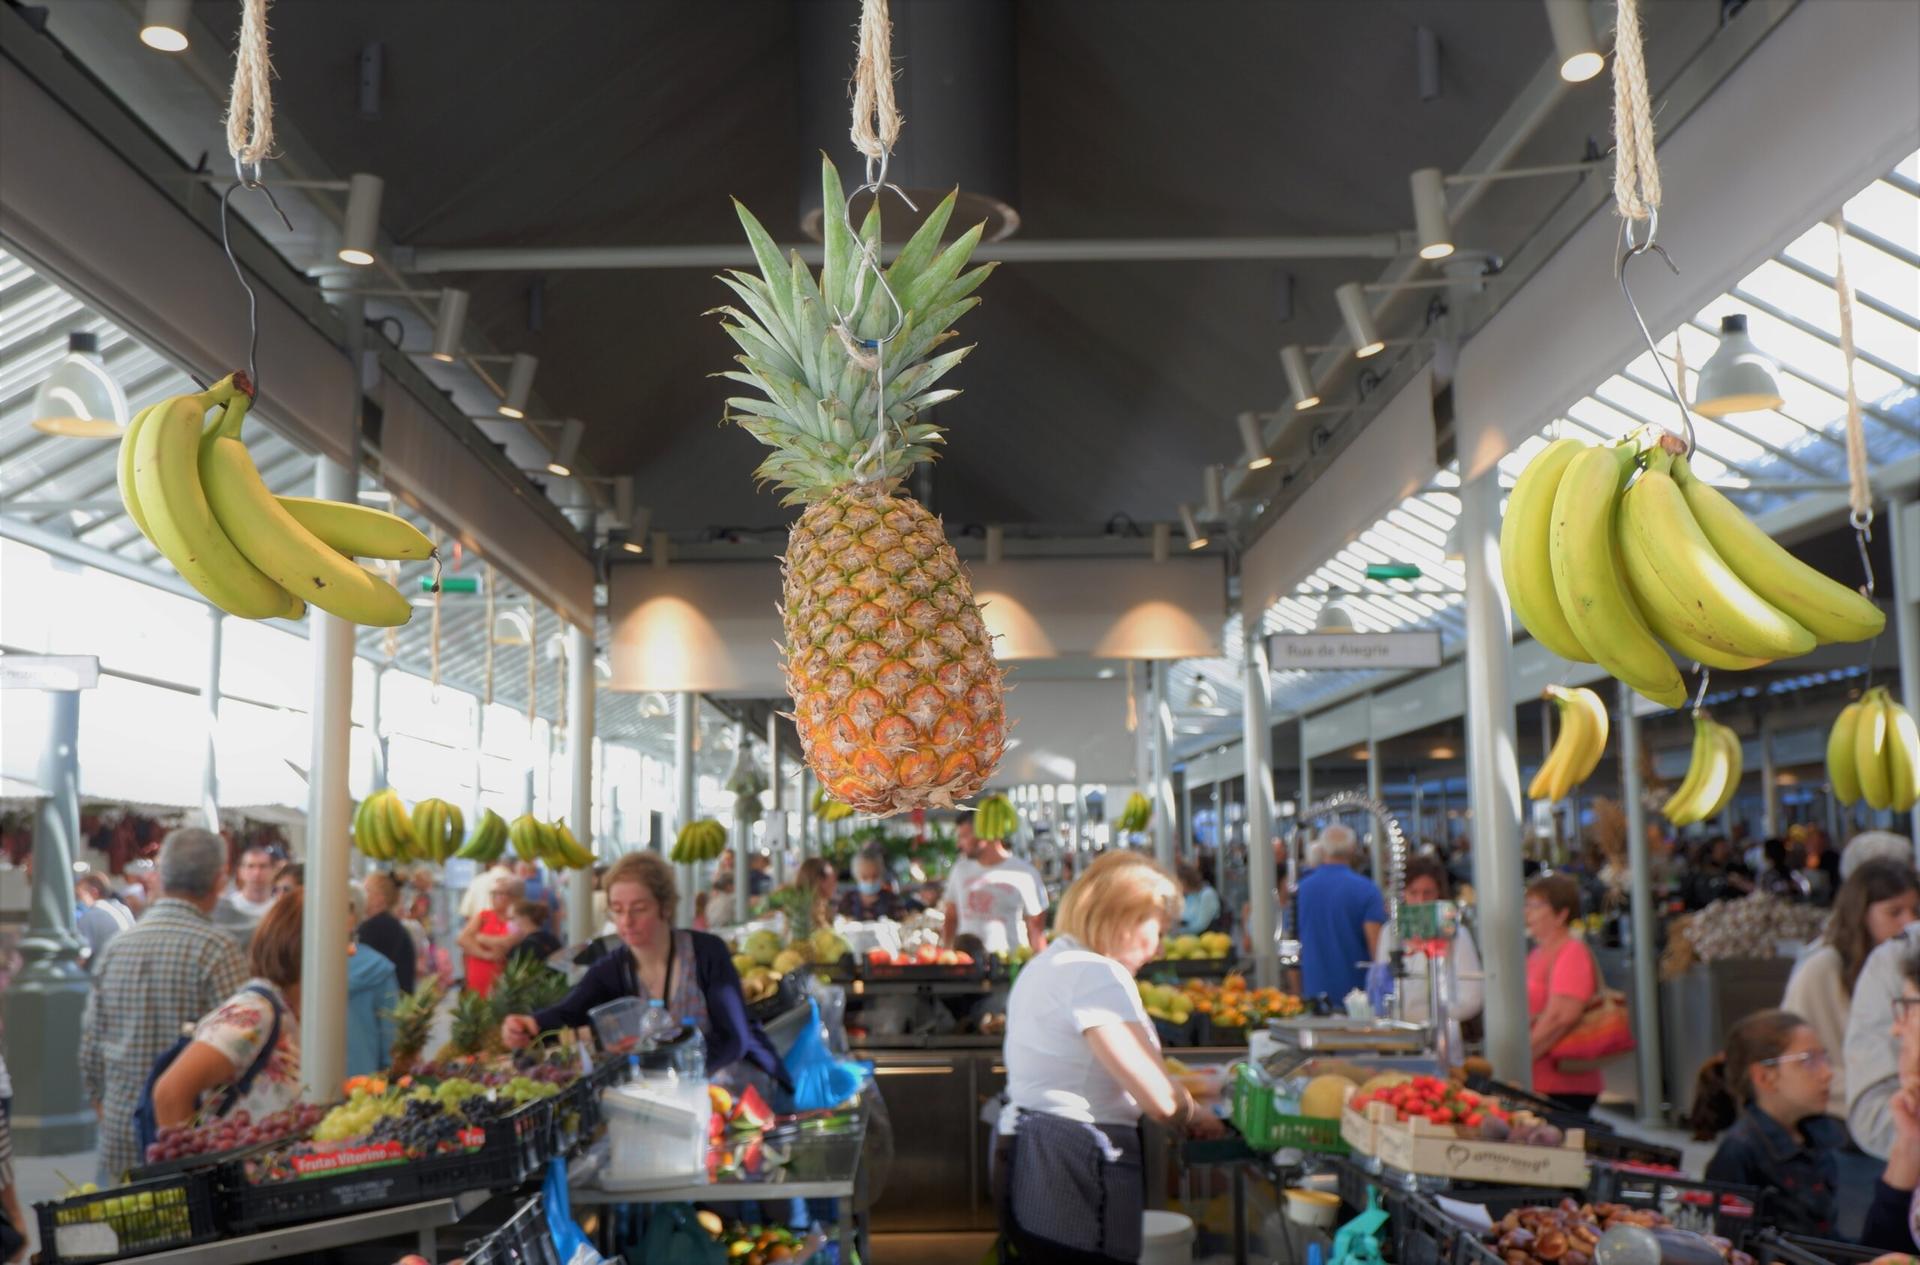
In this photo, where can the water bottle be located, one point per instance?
(656, 1026)
(690, 1051)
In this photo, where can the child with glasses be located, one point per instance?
(1769, 1091)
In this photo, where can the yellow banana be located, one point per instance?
(1903, 756)
(1733, 761)
(358, 531)
(275, 542)
(1586, 577)
(181, 524)
(1681, 582)
(1678, 803)
(1524, 550)
(1555, 778)
(1712, 790)
(1870, 750)
(399, 828)
(1598, 729)
(129, 495)
(1842, 774)
(1826, 608)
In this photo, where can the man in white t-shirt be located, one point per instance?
(994, 895)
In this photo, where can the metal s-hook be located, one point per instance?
(226, 245)
(1700, 695)
(1630, 250)
(877, 184)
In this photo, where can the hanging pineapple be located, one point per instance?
(412, 1019)
(896, 694)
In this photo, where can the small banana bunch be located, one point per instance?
(488, 841)
(548, 841)
(1873, 751)
(826, 808)
(701, 840)
(995, 819)
(189, 484)
(382, 829)
(438, 828)
(1135, 814)
(1578, 747)
(1601, 570)
(1713, 774)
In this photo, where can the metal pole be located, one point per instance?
(210, 705)
(741, 834)
(1306, 771)
(323, 936)
(1143, 736)
(1495, 785)
(580, 722)
(1376, 839)
(376, 733)
(1166, 822)
(1257, 737)
(1769, 783)
(776, 811)
(806, 810)
(1188, 843)
(479, 756)
(1073, 818)
(685, 704)
(1900, 511)
(1646, 967)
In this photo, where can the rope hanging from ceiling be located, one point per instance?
(876, 117)
(1859, 494)
(250, 105)
(1636, 169)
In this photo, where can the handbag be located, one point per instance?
(1603, 1033)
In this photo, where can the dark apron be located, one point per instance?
(1069, 1193)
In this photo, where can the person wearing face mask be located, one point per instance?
(873, 896)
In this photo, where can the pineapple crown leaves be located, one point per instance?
(819, 401)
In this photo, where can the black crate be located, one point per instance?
(1770, 1246)
(791, 992)
(1191, 968)
(922, 973)
(210, 1160)
(148, 1216)
(1212, 1033)
(1178, 1034)
(1732, 1212)
(1424, 1235)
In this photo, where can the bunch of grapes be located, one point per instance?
(356, 1117)
(225, 1133)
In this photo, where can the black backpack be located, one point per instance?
(146, 1128)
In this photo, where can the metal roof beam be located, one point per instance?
(1881, 306)
(1644, 420)
(1830, 338)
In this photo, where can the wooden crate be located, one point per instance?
(1435, 1150)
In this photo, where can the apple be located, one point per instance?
(879, 957)
(948, 958)
(962, 959)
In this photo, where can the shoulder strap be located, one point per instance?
(238, 1089)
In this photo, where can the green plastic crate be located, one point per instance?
(1267, 1129)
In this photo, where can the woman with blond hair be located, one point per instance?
(1083, 1065)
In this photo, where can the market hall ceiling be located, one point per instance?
(1099, 389)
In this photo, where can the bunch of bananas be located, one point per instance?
(548, 841)
(438, 828)
(1713, 775)
(382, 830)
(488, 841)
(995, 819)
(827, 808)
(1135, 814)
(189, 484)
(1873, 751)
(1603, 571)
(1578, 747)
(701, 840)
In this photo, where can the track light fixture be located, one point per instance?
(1430, 213)
(1574, 42)
(1333, 618)
(1299, 379)
(1255, 442)
(1359, 320)
(1196, 539)
(449, 325)
(567, 449)
(362, 229)
(79, 399)
(163, 27)
(519, 386)
(1213, 491)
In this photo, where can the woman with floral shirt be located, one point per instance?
(249, 1046)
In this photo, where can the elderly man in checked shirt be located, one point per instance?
(171, 968)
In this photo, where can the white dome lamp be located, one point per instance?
(80, 399)
(1738, 377)
(1334, 618)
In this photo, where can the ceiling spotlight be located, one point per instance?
(567, 449)
(362, 229)
(633, 546)
(1255, 442)
(1195, 538)
(1430, 213)
(449, 325)
(1574, 42)
(1738, 377)
(79, 399)
(1456, 545)
(1202, 698)
(1441, 752)
(165, 25)
(1299, 379)
(1214, 492)
(996, 544)
(1359, 320)
(519, 385)
(1333, 618)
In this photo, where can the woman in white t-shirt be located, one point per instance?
(1083, 1065)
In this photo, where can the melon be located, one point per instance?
(1325, 1097)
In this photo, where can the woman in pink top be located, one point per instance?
(1561, 979)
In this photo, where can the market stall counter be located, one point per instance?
(423, 1220)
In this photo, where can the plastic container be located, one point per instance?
(1166, 1238)
(690, 1051)
(656, 1131)
(1256, 1114)
(616, 1024)
(150, 1216)
(1317, 1209)
(657, 1027)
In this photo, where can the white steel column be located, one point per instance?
(1257, 739)
(807, 820)
(1495, 785)
(479, 758)
(776, 811)
(1906, 621)
(580, 723)
(742, 835)
(1166, 823)
(1143, 734)
(210, 704)
(376, 732)
(1074, 819)
(1646, 967)
(685, 705)
(1306, 773)
(1376, 839)
(1769, 783)
(323, 937)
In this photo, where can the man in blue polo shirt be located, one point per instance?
(1341, 913)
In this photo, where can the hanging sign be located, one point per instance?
(49, 671)
(1322, 652)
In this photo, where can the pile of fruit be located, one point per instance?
(924, 955)
(140, 1219)
(763, 958)
(1135, 815)
(701, 840)
(209, 1137)
(1568, 1232)
(1468, 1114)
(755, 1245)
(383, 830)
(995, 819)
(1610, 551)
(1231, 1004)
(1207, 946)
(1163, 1002)
(1873, 753)
(1578, 746)
(1713, 774)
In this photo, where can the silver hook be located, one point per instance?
(1633, 250)
(226, 245)
(877, 184)
(1700, 695)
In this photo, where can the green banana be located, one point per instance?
(1586, 577)
(1842, 772)
(1682, 583)
(1828, 609)
(1525, 560)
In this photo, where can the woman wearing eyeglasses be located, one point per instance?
(1771, 1088)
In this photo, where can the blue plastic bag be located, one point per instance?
(820, 1080)
(568, 1239)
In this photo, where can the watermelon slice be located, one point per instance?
(751, 1111)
